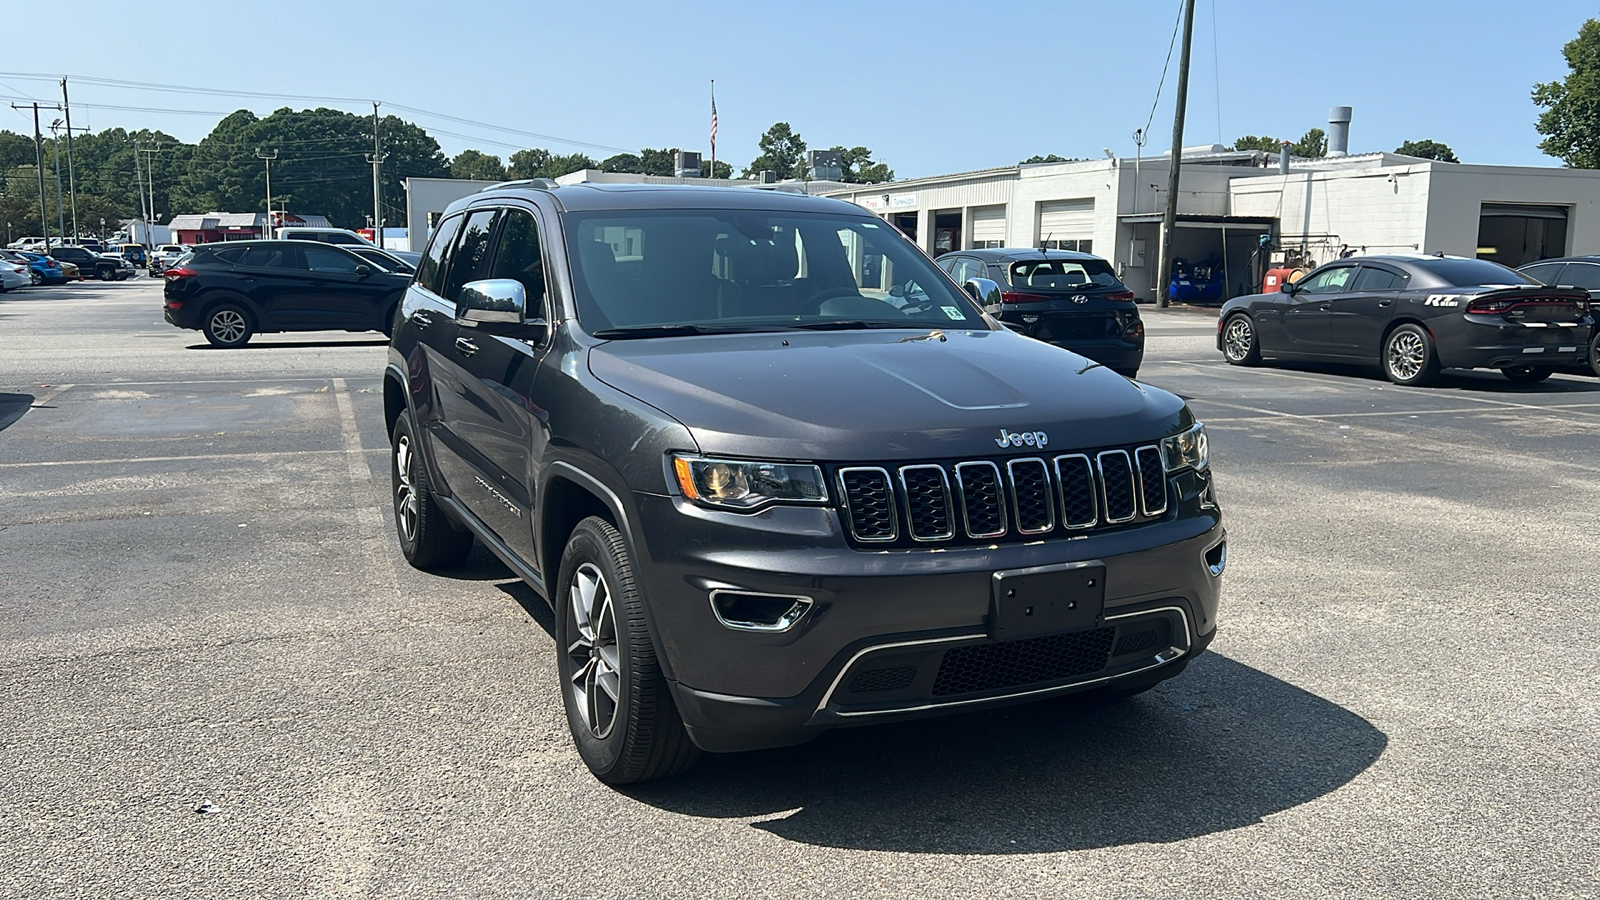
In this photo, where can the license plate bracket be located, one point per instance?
(1028, 603)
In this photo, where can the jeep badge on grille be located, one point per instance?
(1025, 439)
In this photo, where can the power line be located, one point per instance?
(1170, 44)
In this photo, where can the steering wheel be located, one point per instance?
(814, 302)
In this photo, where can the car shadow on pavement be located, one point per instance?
(1486, 381)
(1218, 748)
(13, 407)
(295, 345)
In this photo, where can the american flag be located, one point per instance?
(713, 123)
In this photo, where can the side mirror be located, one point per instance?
(496, 306)
(1287, 287)
(986, 292)
(363, 271)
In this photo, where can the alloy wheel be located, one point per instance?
(1238, 338)
(405, 494)
(593, 658)
(1407, 355)
(228, 326)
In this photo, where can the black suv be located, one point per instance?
(91, 263)
(234, 290)
(1073, 300)
(776, 473)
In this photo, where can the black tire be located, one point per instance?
(1594, 356)
(603, 646)
(427, 538)
(1240, 346)
(35, 277)
(106, 273)
(388, 321)
(228, 325)
(1527, 374)
(1408, 356)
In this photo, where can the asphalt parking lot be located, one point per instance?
(222, 680)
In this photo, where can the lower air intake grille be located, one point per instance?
(1133, 643)
(996, 666)
(882, 680)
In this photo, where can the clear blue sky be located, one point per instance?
(931, 86)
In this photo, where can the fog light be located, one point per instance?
(750, 611)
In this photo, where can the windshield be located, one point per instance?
(1063, 274)
(697, 271)
(1471, 272)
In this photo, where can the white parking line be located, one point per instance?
(129, 460)
(374, 543)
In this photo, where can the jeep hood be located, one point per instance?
(884, 394)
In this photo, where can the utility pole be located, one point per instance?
(376, 158)
(267, 229)
(144, 214)
(72, 183)
(1169, 219)
(55, 152)
(150, 173)
(38, 155)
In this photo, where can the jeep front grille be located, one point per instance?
(981, 500)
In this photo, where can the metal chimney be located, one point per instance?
(1283, 159)
(1339, 131)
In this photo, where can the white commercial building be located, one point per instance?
(1372, 203)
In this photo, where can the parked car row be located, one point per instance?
(69, 262)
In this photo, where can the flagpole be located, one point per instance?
(713, 172)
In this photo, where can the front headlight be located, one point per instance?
(742, 484)
(1188, 450)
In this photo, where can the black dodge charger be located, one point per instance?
(1413, 315)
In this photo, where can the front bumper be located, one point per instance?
(886, 632)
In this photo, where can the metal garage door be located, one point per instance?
(988, 226)
(1066, 220)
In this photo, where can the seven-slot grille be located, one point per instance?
(1021, 498)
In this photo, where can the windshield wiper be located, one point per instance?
(852, 324)
(650, 331)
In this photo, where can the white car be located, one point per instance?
(13, 275)
(165, 255)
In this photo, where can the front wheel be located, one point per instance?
(1594, 355)
(1527, 374)
(1408, 356)
(619, 709)
(1239, 344)
(228, 325)
(107, 274)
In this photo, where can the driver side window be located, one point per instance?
(1328, 281)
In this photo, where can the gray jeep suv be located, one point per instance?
(776, 473)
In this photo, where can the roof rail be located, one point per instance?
(546, 183)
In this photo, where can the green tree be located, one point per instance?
(541, 163)
(858, 166)
(15, 150)
(1264, 142)
(622, 162)
(1312, 145)
(1036, 158)
(476, 164)
(783, 152)
(1571, 118)
(658, 162)
(1428, 150)
(723, 170)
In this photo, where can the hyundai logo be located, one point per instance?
(1079, 298)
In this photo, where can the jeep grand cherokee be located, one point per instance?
(776, 473)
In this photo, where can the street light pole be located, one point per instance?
(266, 230)
(55, 153)
(377, 159)
(72, 184)
(38, 156)
(1169, 219)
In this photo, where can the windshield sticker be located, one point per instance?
(868, 225)
(953, 312)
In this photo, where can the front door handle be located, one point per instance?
(465, 346)
(421, 319)
(1325, 307)
(1383, 303)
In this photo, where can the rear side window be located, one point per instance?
(233, 256)
(430, 272)
(326, 259)
(519, 256)
(1581, 275)
(1372, 279)
(1062, 274)
(272, 257)
(1546, 272)
(471, 259)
